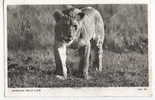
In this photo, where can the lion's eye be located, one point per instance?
(75, 26)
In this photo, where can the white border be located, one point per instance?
(115, 91)
(121, 91)
(1, 50)
(76, 2)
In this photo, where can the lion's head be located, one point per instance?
(68, 23)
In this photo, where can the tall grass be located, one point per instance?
(32, 27)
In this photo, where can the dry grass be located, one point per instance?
(27, 69)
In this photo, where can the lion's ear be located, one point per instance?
(58, 15)
(80, 16)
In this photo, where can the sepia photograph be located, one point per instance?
(77, 46)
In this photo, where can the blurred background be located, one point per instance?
(32, 27)
(30, 38)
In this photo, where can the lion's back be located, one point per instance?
(93, 22)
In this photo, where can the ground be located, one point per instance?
(36, 69)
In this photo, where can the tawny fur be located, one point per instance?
(78, 27)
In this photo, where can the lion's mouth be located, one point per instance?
(68, 39)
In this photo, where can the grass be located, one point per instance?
(36, 69)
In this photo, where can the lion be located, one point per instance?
(78, 27)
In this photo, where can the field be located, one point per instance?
(37, 70)
(30, 38)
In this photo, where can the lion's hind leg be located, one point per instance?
(97, 54)
(100, 54)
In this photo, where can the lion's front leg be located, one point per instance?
(84, 62)
(60, 57)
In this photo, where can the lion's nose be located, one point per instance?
(69, 35)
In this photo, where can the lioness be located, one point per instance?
(77, 27)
